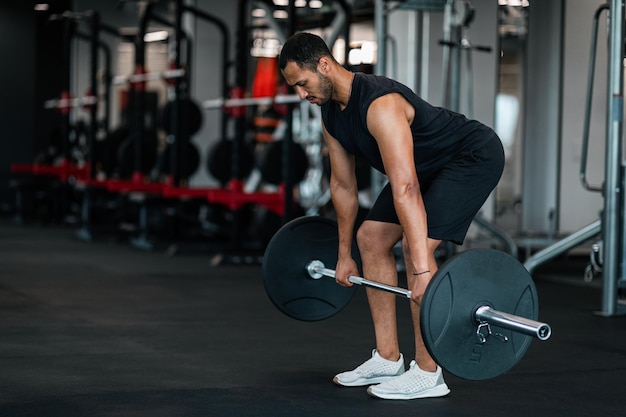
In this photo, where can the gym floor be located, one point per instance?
(102, 329)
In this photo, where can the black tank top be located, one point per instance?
(438, 134)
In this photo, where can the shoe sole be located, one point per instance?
(363, 382)
(438, 391)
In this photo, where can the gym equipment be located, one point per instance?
(265, 125)
(190, 165)
(478, 314)
(219, 161)
(190, 110)
(67, 102)
(250, 101)
(126, 155)
(290, 287)
(270, 163)
(142, 77)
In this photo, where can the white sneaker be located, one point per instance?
(413, 384)
(373, 371)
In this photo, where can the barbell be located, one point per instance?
(478, 314)
(142, 77)
(67, 102)
(217, 103)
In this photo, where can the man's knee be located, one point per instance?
(375, 237)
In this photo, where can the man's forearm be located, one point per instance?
(346, 205)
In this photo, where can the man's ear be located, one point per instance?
(323, 65)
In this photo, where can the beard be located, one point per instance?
(325, 90)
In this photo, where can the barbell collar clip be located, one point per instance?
(483, 338)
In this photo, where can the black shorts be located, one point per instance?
(454, 195)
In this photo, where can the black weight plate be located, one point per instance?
(286, 280)
(126, 155)
(462, 284)
(219, 161)
(190, 110)
(271, 163)
(190, 163)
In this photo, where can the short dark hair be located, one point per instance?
(305, 49)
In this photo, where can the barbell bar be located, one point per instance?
(317, 270)
(250, 101)
(70, 102)
(149, 76)
(484, 313)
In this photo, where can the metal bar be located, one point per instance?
(587, 122)
(499, 233)
(562, 246)
(611, 223)
(316, 269)
(486, 314)
(379, 286)
(149, 76)
(380, 26)
(250, 101)
(64, 103)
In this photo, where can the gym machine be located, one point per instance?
(608, 255)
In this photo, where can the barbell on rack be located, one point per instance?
(478, 314)
(250, 101)
(142, 77)
(66, 102)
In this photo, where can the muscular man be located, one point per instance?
(441, 168)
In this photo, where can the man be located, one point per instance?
(441, 168)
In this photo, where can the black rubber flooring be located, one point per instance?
(102, 329)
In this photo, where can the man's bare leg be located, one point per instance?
(422, 357)
(376, 241)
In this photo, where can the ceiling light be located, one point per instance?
(42, 7)
(315, 4)
(158, 36)
(258, 13)
(280, 14)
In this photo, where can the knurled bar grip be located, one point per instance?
(483, 314)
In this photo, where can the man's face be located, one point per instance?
(314, 87)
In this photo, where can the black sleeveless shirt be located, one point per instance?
(438, 134)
